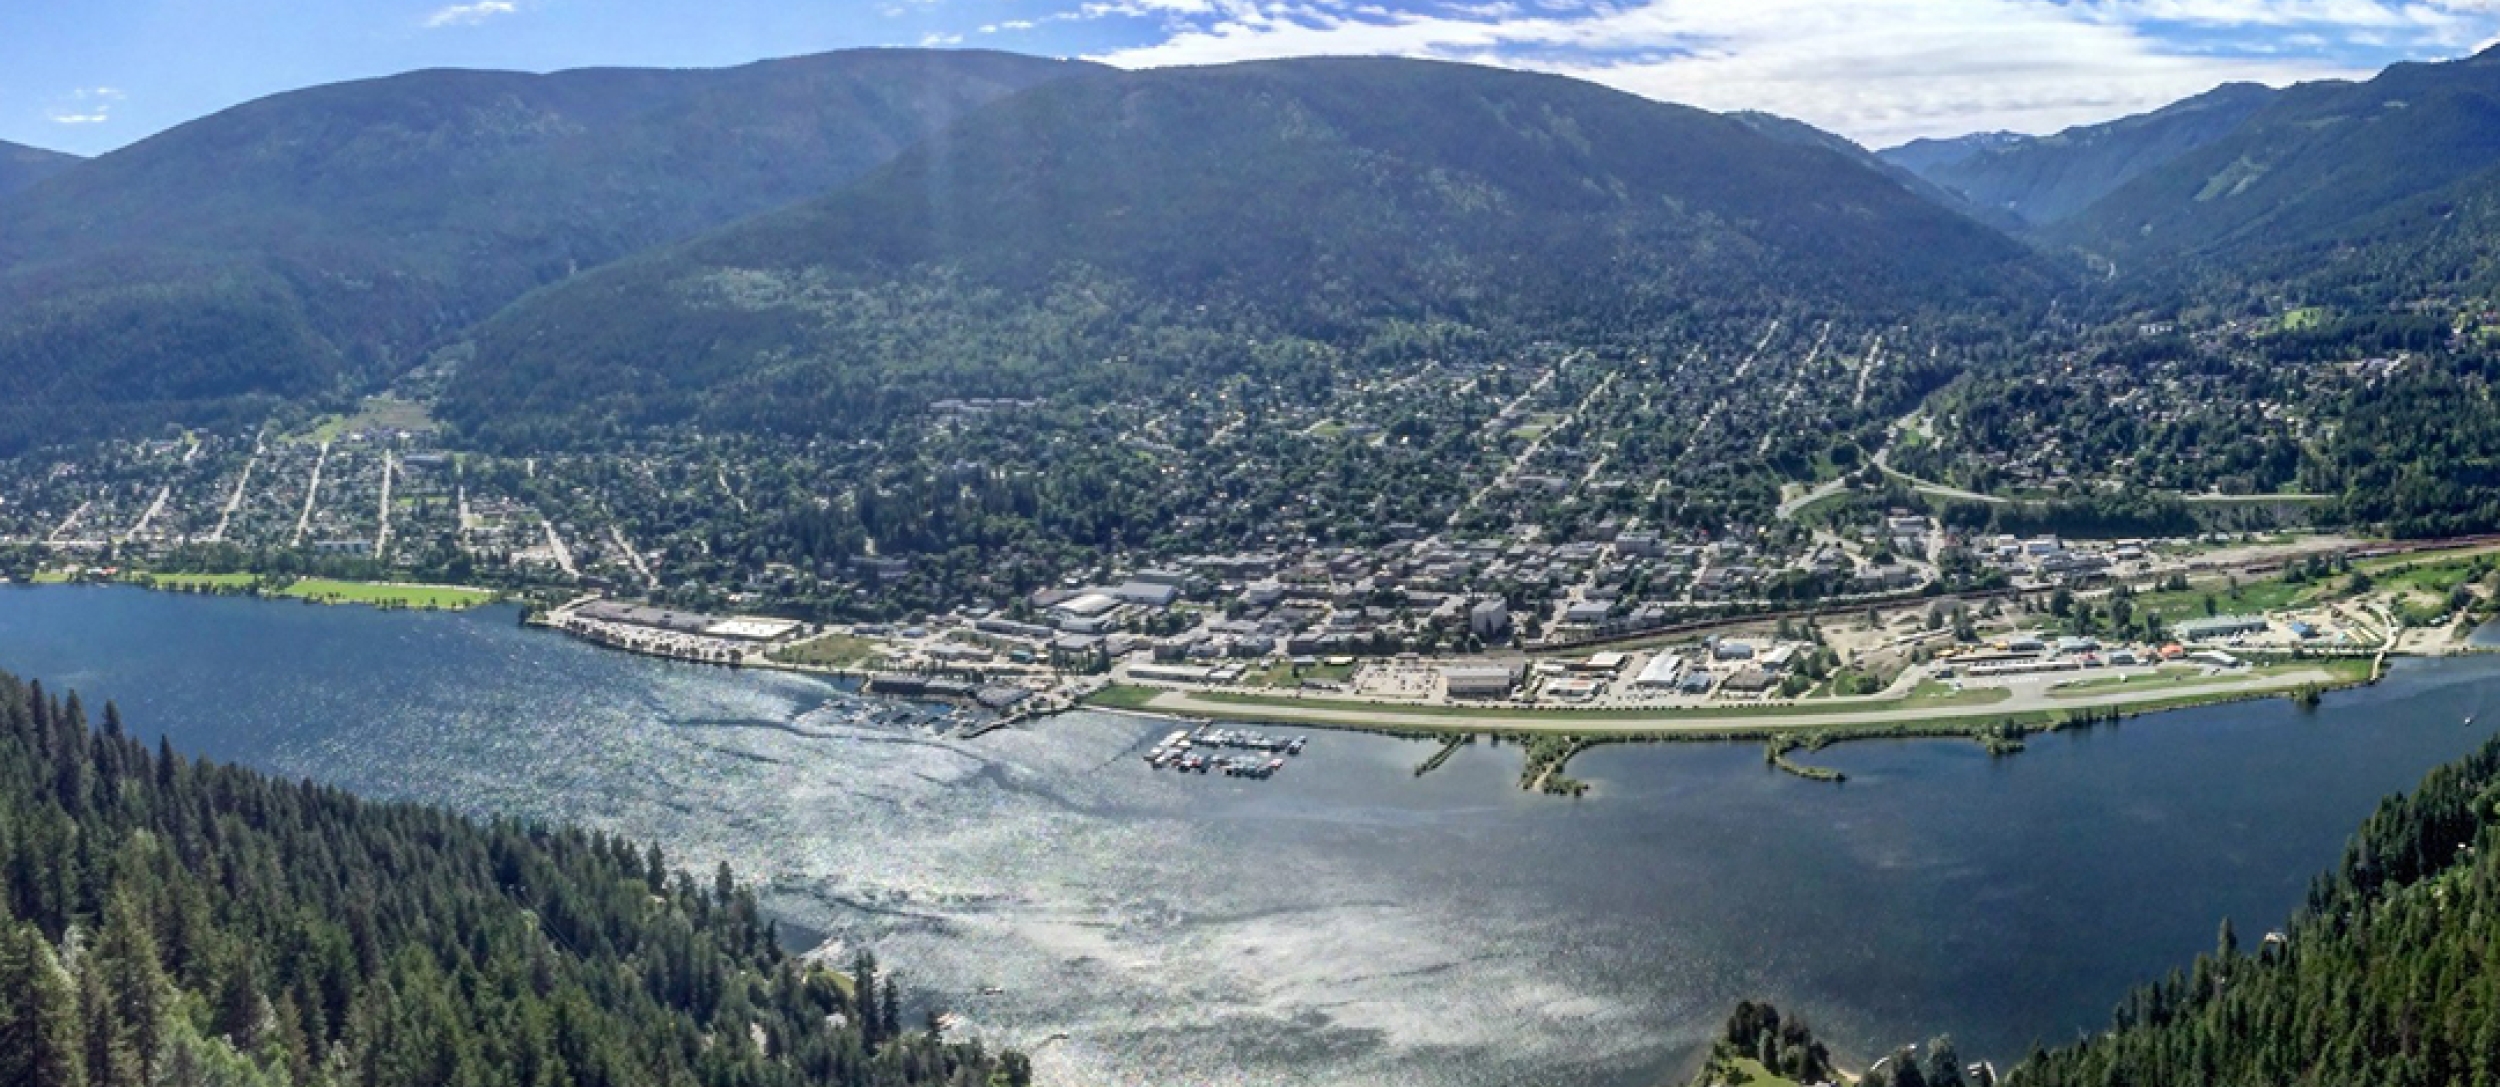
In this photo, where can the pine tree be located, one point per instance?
(39, 1035)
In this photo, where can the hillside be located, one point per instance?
(1922, 155)
(2386, 977)
(170, 921)
(21, 166)
(1799, 132)
(2329, 180)
(1185, 223)
(333, 235)
(2049, 178)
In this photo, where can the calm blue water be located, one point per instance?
(1344, 923)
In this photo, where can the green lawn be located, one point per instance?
(443, 597)
(1750, 1073)
(834, 650)
(376, 414)
(2250, 598)
(2343, 669)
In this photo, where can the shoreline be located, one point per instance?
(1807, 725)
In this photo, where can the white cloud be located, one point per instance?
(85, 106)
(1877, 70)
(470, 14)
(935, 40)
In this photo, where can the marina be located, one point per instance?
(1186, 750)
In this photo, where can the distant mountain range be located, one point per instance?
(1164, 217)
(2356, 193)
(2325, 179)
(21, 166)
(328, 237)
(2047, 179)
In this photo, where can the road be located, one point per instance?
(2027, 696)
(235, 501)
(1788, 508)
(312, 497)
(1883, 463)
(382, 535)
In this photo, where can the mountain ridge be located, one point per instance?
(1317, 201)
(326, 238)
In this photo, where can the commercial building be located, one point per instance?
(2220, 626)
(1479, 680)
(1662, 671)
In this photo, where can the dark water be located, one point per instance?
(1344, 923)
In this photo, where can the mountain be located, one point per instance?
(1795, 131)
(165, 920)
(1920, 156)
(1188, 224)
(2387, 178)
(21, 166)
(331, 236)
(2047, 179)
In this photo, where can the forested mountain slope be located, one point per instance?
(2389, 976)
(2328, 181)
(166, 921)
(1167, 225)
(1799, 132)
(334, 234)
(21, 166)
(2046, 179)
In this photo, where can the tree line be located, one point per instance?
(172, 921)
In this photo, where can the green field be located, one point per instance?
(841, 651)
(2249, 599)
(422, 597)
(379, 413)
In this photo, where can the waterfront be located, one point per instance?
(1344, 922)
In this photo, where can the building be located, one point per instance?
(2220, 626)
(1086, 605)
(1479, 680)
(1489, 621)
(1727, 649)
(1153, 594)
(1748, 681)
(1662, 671)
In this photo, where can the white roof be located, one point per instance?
(1661, 669)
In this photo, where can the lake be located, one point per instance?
(1345, 922)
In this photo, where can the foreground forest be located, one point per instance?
(2388, 975)
(168, 921)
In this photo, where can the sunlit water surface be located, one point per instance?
(1346, 922)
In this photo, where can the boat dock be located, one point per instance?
(1201, 750)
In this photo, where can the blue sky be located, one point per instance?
(92, 75)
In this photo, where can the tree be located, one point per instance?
(1944, 1063)
(39, 1037)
